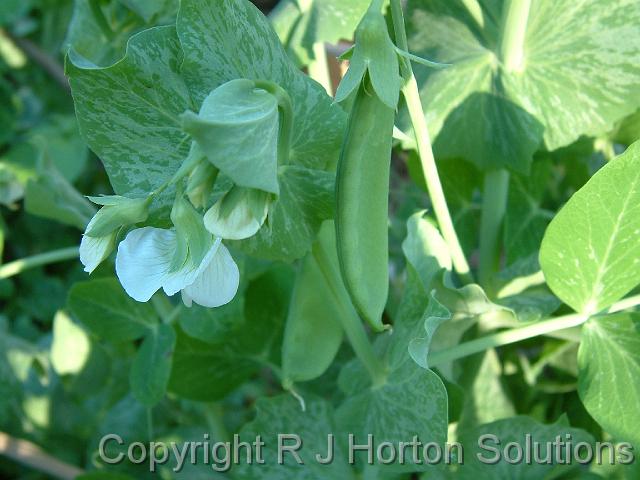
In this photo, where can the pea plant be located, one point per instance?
(320, 239)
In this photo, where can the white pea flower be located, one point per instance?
(187, 259)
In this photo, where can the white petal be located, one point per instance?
(218, 282)
(143, 261)
(94, 250)
(184, 277)
(242, 222)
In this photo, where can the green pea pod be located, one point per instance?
(313, 331)
(362, 194)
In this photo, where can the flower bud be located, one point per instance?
(239, 214)
(116, 212)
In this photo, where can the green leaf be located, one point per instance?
(412, 402)
(486, 398)
(152, 365)
(282, 415)
(211, 324)
(209, 371)
(11, 10)
(591, 250)
(150, 9)
(99, 30)
(609, 368)
(59, 139)
(51, 196)
(108, 312)
(141, 99)
(496, 117)
(70, 348)
(526, 220)
(516, 429)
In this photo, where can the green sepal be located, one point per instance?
(193, 240)
(116, 212)
(376, 54)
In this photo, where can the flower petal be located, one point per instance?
(218, 282)
(184, 277)
(94, 250)
(239, 214)
(143, 261)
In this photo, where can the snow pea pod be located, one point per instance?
(313, 332)
(362, 192)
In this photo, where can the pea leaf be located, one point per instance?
(152, 365)
(609, 365)
(108, 312)
(209, 371)
(141, 98)
(496, 117)
(99, 30)
(11, 10)
(282, 415)
(516, 429)
(50, 195)
(526, 220)
(599, 264)
(413, 401)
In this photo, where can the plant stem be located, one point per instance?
(32, 456)
(351, 323)
(432, 179)
(494, 206)
(319, 68)
(425, 151)
(514, 29)
(18, 266)
(475, 10)
(515, 335)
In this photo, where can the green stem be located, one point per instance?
(515, 335)
(319, 67)
(351, 323)
(494, 206)
(514, 29)
(432, 179)
(18, 266)
(475, 10)
(425, 151)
